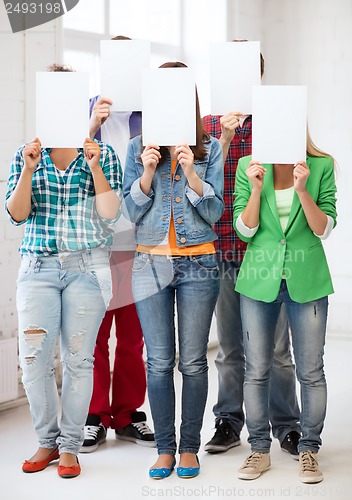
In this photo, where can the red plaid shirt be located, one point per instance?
(229, 247)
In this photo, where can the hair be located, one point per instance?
(314, 151)
(60, 67)
(121, 37)
(262, 63)
(198, 150)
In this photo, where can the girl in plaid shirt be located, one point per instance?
(68, 200)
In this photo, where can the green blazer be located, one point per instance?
(297, 251)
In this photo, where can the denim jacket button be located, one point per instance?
(183, 240)
(177, 199)
(179, 220)
(177, 177)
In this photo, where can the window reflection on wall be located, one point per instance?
(154, 20)
(93, 20)
(88, 15)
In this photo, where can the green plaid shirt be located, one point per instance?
(63, 216)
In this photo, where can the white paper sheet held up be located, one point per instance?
(169, 107)
(234, 69)
(279, 123)
(62, 109)
(122, 63)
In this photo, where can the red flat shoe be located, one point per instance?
(38, 466)
(68, 472)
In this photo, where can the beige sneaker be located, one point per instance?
(309, 471)
(254, 465)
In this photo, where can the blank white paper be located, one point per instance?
(169, 107)
(122, 63)
(279, 126)
(62, 109)
(234, 69)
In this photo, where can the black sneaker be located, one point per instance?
(94, 434)
(137, 431)
(224, 438)
(290, 443)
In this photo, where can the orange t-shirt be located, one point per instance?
(171, 248)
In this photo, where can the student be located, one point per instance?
(235, 134)
(116, 399)
(174, 195)
(68, 200)
(284, 211)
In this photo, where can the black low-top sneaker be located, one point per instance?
(137, 431)
(94, 434)
(224, 438)
(290, 443)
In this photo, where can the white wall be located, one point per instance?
(308, 42)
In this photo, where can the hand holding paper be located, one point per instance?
(31, 154)
(301, 173)
(185, 157)
(150, 157)
(100, 113)
(255, 173)
(91, 153)
(229, 123)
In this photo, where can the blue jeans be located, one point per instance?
(194, 282)
(308, 327)
(67, 293)
(230, 363)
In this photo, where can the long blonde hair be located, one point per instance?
(313, 150)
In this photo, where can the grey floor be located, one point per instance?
(119, 470)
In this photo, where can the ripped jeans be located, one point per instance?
(66, 293)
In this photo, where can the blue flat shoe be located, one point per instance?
(188, 472)
(162, 472)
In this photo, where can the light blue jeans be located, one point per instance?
(308, 327)
(66, 293)
(194, 283)
(230, 363)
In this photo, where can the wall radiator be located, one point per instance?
(8, 369)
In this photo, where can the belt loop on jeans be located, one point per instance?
(155, 274)
(37, 265)
(83, 261)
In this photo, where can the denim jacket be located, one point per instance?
(193, 215)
